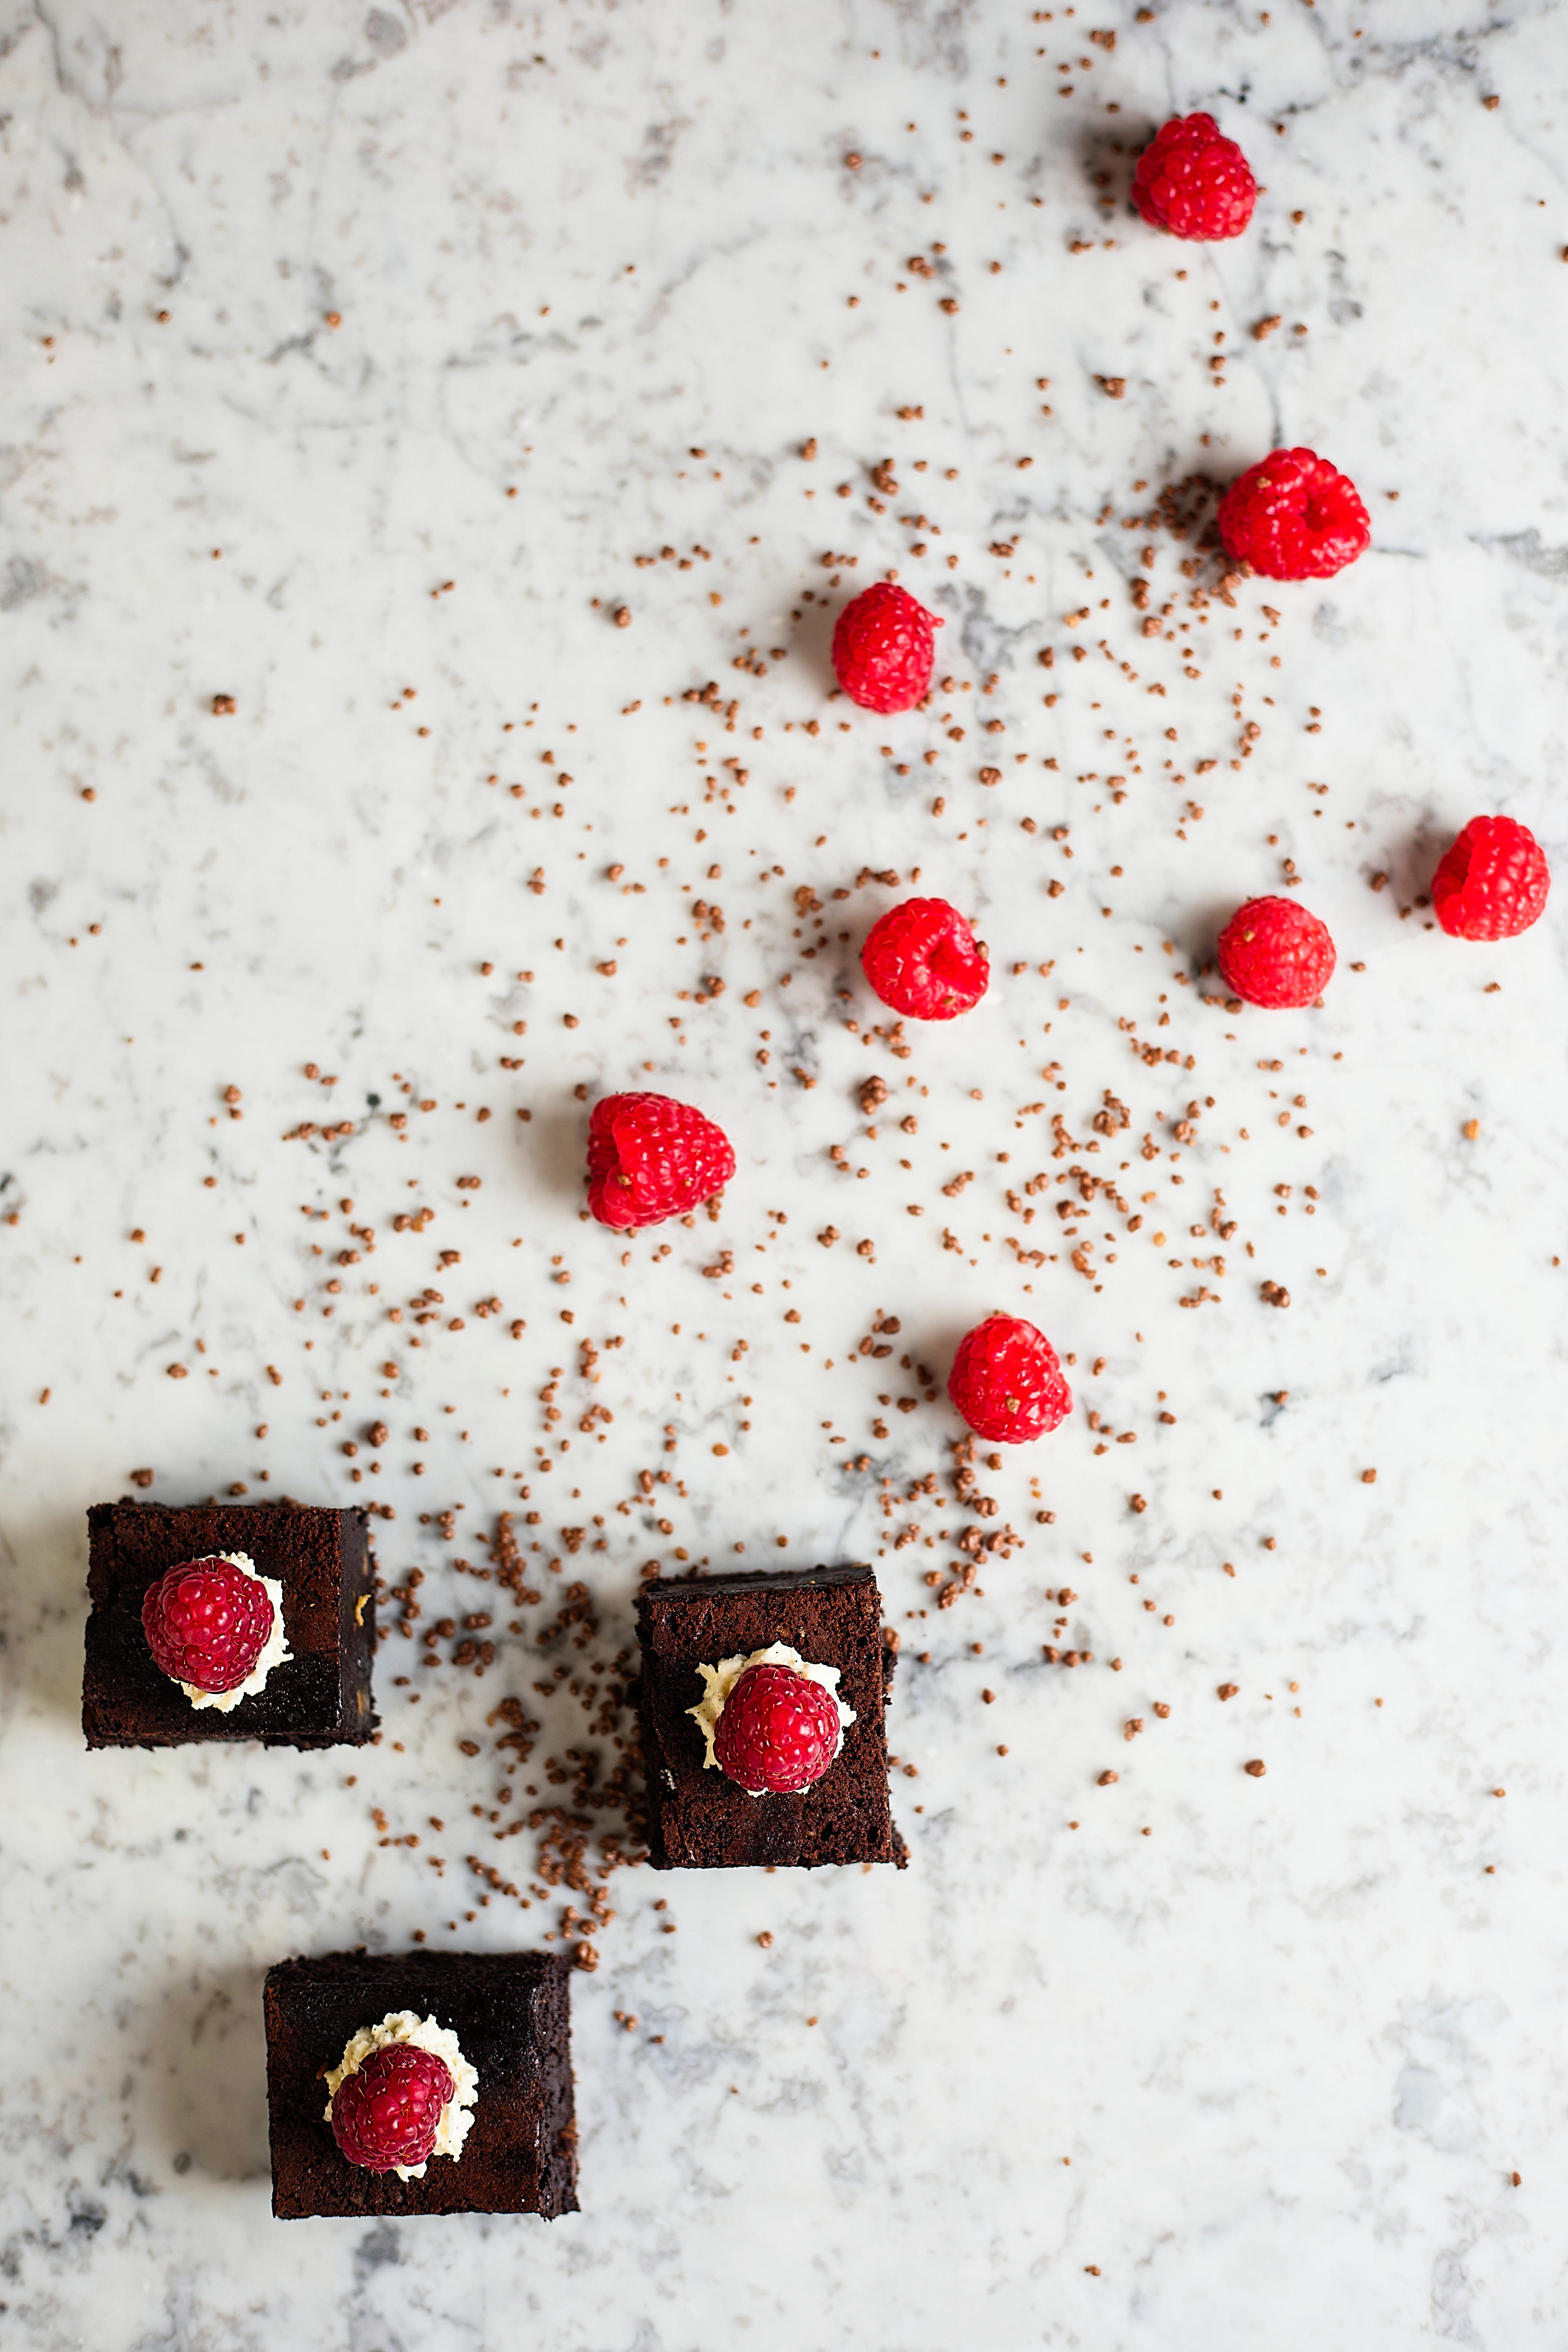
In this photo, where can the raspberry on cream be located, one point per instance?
(402, 2028)
(798, 1735)
(215, 1625)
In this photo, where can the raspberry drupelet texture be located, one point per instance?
(1492, 881)
(778, 1733)
(884, 648)
(922, 959)
(389, 2112)
(1006, 1380)
(1294, 517)
(1274, 953)
(1194, 180)
(650, 1158)
(207, 1622)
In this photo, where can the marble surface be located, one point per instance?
(434, 319)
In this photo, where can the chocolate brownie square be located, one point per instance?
(699, 1820)
(320, 1698)
(511, 2014)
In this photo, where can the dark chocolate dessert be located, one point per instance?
(699, 1819)
(510, 2015)
(319, 1697)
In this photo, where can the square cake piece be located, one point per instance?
(697, 1818)
(318, 1697)
(510, 2013)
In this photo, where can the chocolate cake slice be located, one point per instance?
(511, 2014)
(319, 1696)
(697, 1818)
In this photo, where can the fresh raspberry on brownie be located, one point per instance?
(1492, 881)
(1007, 1382)
(884, 648)
(207, 1622)
(778, 1732)
(922, 959)
(650, 1157)
(388, 2112)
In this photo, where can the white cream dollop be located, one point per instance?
(276, 1654)
(403, 2025)
(721, 1680)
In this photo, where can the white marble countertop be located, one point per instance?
(435, 320)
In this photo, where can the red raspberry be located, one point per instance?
(389, 2112)
(922, 959)
(884, 648)
(1294, 517)
(1194, 180)
(207, 1622)
(650, 1158)
(1007, 1382)
(778, 1731)
(1492, 881)
(1273, 952)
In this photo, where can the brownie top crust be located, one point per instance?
(510, 2013)
(322, 1559)
(697, 1818)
